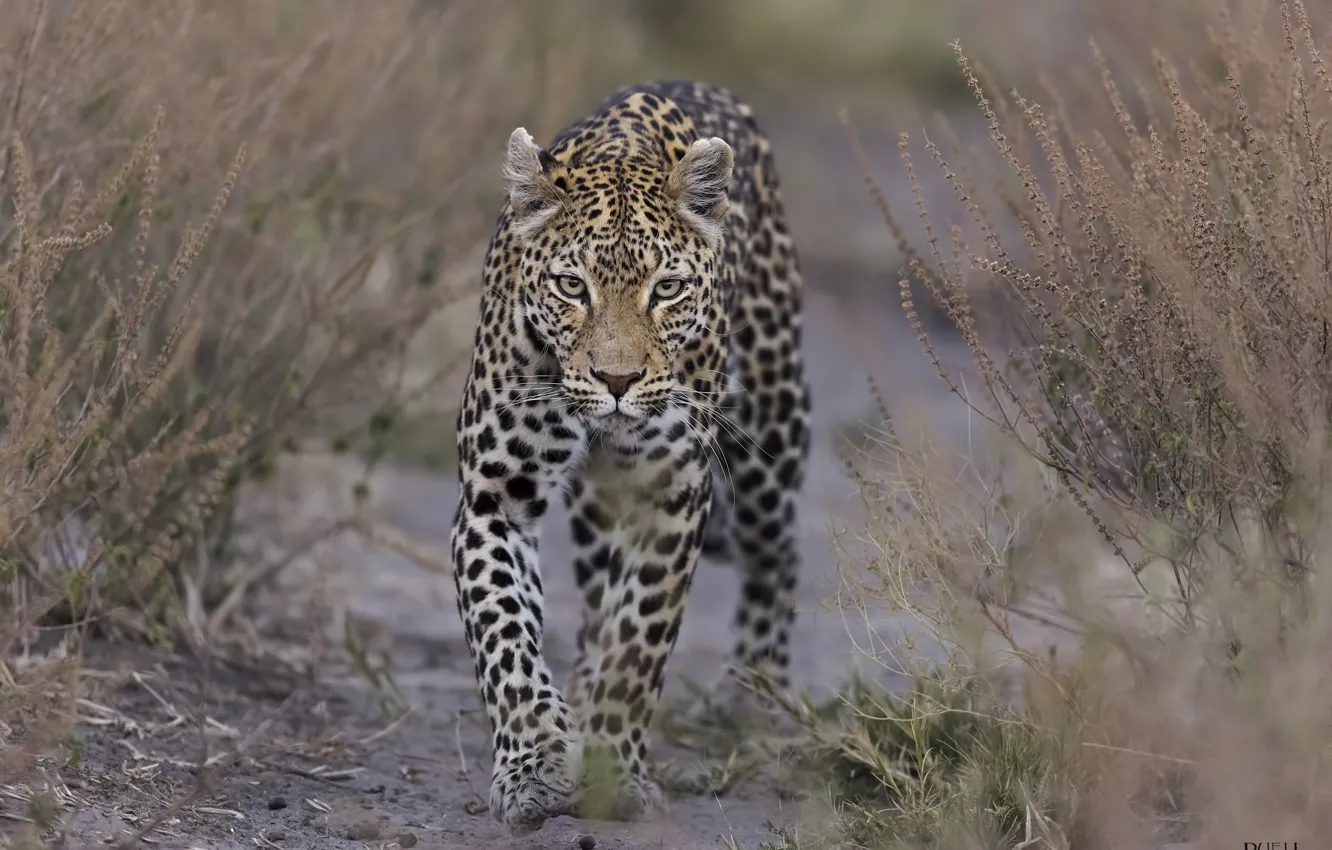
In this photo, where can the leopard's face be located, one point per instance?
(619, 291)
(618, 277)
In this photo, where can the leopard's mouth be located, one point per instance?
(617, 418)
(614, 422)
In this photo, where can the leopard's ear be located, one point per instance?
(531, 174)
(700, 183)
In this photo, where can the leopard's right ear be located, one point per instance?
(531, 175)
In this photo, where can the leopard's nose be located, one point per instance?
(618, 385)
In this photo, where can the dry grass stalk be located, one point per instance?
(204, 266)
(1165, 386)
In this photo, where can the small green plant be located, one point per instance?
(945, 759)
(376, 669)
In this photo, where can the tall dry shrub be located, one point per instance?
(91, 440)
(1169, 306)
(366, 127)
(368, 131)
(1164, 253)
(174, 314)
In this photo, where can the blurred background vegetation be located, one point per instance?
(888, 65)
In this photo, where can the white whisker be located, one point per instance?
(710, 445)
(733, 428)
(536, 399)
(726, 378)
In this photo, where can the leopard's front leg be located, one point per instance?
(509, 462)
(651, 506)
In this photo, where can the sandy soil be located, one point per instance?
(316, 765)
(306, 759)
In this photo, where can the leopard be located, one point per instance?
(638, 355)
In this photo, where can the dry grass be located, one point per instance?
(1131, 604)
(222, 227)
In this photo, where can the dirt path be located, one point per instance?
(420, 782)
(426, 776)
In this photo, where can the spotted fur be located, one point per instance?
(638, 353)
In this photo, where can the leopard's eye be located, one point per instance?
(571, 287)
(668, 289)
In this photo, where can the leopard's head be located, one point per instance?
(619, 258)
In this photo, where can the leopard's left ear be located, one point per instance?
(700, 183)
(531, 174)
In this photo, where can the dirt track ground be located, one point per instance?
(307, 760)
